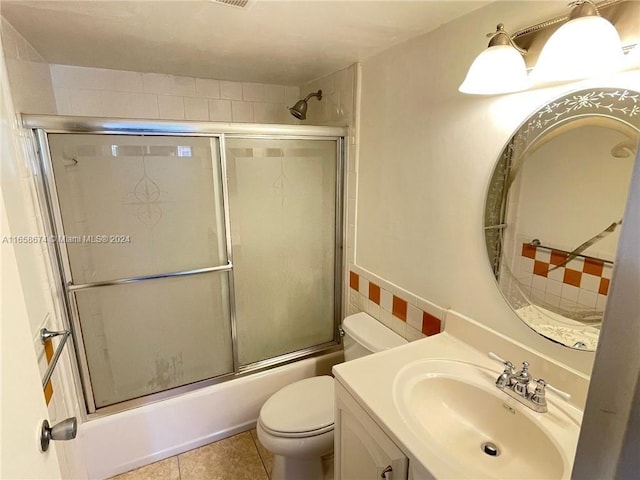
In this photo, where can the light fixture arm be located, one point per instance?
(501, 37)
(584, 6)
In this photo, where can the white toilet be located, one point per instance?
(296, 423)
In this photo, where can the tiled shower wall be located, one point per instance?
(581, 283)
(103, 92)
(29, 75)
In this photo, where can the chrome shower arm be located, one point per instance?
(314, 94)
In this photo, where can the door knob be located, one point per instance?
(64, 430)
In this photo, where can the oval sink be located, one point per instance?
(455, 408)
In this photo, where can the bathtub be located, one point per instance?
(123, 441)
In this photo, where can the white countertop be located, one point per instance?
(370, 380)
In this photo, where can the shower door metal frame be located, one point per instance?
(43, 125)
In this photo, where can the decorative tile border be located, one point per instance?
(583, 280)
(406, 314)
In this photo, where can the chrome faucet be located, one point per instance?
(516, 385)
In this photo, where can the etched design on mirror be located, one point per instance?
(555, 183)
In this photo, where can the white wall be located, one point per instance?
(102, 92)
(31, 91)
(426, 156)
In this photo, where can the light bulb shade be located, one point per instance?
(581, 48)
(498, 69)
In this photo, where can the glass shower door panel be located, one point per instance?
(151, 336)
(138, 205)
(134, 206)
(283, 215)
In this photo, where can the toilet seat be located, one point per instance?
(301, 409)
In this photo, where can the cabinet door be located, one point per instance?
(364, 452)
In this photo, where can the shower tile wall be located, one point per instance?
(29, 75)
(582, 282)
(88, 91)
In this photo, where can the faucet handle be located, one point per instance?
(508, 365)
(541, 388)
(504, 379)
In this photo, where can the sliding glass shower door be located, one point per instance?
(134, 208)
(190, 257)
(282, 200)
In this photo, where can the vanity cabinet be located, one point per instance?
(362, 449)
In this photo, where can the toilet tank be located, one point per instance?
(364, 335)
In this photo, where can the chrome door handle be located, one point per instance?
(64, 430)
(383, 475)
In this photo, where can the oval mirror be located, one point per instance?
(554, 208)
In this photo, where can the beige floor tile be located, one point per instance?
(163, 470)
(234, 458)
(265, 455)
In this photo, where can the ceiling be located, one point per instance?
(269, 41)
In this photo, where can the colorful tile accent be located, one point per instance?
(551, 272)
(557, 257)
(430, 324)
(399, 308)
(528, 251)
(48, 388)
(408, 319)
(374, 293)
(572, 277)
(540, 268)
(593, 266)
(354, 281)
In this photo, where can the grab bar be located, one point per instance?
(47, 335)
(121, 281)
(536, 243)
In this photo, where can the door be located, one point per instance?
(23, 406)
(145, 260)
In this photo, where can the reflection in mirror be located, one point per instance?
(554, 209)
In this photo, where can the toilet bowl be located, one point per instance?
(296, 423)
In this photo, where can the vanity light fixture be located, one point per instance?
(583, 44)
(498, 69)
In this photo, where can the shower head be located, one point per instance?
(299, 110)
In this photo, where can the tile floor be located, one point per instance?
(240, 457)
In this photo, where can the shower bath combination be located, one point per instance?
(299, 110)
(210, 311)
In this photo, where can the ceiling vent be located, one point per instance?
(234, 3)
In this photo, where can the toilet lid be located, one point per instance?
(370, 333)
(303, 406)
